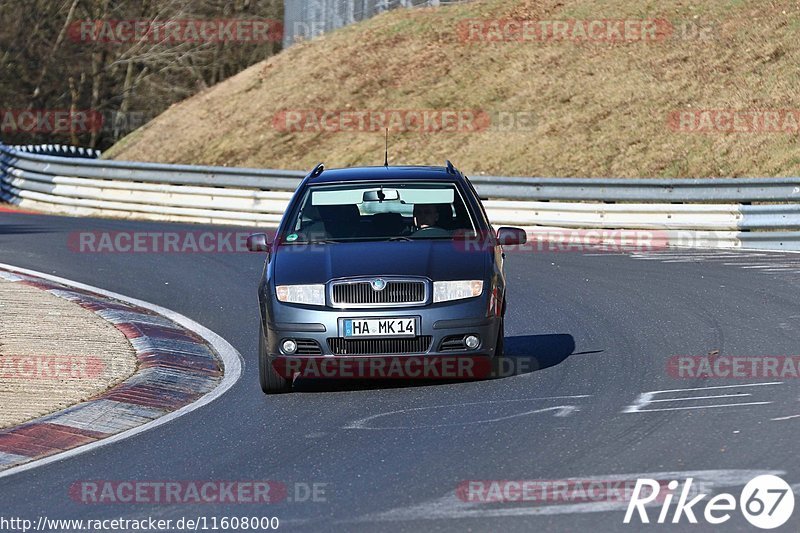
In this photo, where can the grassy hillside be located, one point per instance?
(594, 108)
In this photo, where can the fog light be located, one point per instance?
(289, 346)
(472, 342)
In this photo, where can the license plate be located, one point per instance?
(379, 327)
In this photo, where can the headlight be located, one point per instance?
(444, 291)
(301, 294)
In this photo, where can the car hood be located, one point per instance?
(319, 263)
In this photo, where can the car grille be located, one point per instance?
(396, 292)
(453, 343)
(342, 346)
(307, 347)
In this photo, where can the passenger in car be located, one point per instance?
(388, 225)
(341, 221)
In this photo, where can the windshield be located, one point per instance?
(380, 211)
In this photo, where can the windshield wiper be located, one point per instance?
(399, 238)
(321, 241)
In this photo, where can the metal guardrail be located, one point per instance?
(61, 150)
(280, 180)
(708, 190)
(748, 212)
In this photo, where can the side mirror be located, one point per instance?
(507, 236)
(257, 242)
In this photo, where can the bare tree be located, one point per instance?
(54, 56)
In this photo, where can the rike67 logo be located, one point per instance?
(766, 502)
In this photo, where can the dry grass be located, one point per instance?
(600, 109)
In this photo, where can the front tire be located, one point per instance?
(497, 361)
(271, 381)
(500, 346)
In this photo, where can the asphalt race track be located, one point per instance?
(602, 327)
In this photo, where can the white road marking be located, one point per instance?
(702, 397)
(705, 254)
(697, 407)
(770, 265)
(683, 256)
(560, 411)
(736, 257)
(785, 417)
(646, 398)
(231, 360)
(653, 257)
(450, 506)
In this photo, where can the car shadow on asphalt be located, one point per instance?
(530, 353)
(20, 229)
(524, 354)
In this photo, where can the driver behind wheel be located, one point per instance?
(426, 218)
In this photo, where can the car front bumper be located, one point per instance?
(438, 321)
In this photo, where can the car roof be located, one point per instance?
(384, 173)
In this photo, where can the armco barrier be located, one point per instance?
(759, 213)
(59, 150)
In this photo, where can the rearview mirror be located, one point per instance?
(507, 236)
(382, 195)
(257, 242)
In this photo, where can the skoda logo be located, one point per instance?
(378, 284)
